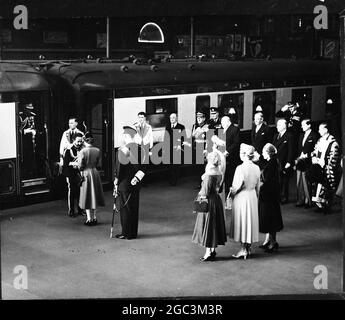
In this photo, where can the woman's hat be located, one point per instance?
(131, 130)
(247, 149)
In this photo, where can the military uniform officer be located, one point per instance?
(215, 121)
(68, 137)
(128, 175)
(200, 142)
(71, 172)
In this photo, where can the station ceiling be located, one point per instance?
(152, 8)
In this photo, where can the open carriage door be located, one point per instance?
(97, 115)
(8, 150)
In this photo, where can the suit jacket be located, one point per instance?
(260, 138)
(232, 140)
(293, 120)
(215, 125)
(285, 148)
(309, 144)
(169, 138)
(127, 168)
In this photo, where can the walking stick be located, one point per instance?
(112, 221)
(115, 210)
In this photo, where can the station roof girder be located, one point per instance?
(156, 8)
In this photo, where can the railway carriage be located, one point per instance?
(109, 95)
(106, 95)
(24, 133)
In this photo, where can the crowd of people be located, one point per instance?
(255, 177)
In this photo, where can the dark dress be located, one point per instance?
(270, 217)
(209, 230)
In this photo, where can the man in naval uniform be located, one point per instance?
(129, 173)
(68, 137)
(71, 172)
(215, 120)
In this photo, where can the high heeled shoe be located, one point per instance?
(241, 254)
(272, 247)
(249, 251)
(208, 258)
(213, 254)
(265, 245)
(88, 223)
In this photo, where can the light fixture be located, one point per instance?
(152, 33)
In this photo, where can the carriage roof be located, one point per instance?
(16, 77)
(109, 75)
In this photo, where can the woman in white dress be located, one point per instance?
(244, 226)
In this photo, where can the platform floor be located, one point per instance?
(66, 259)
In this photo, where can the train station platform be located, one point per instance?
(67, 260)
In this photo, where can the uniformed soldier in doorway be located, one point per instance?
(71, 172)
(215, 120)
(68, 137)
(128, 176)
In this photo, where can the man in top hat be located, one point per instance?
(215, 121)
(68, 137)
(173, 141)
(306, 145)
(129, 173)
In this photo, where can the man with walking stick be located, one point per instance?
(128, 175)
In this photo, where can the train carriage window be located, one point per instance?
(333, 111)
(158, 111)
(333, 105)
(202, 103)
(303, 97)
(226, 102)
(267, 101)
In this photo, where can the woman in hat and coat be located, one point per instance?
(270, 216)
(209, 230)
(244, 226)
(91, 190)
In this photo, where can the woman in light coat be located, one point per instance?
(245, 191)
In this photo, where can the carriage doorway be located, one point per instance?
(97, 115)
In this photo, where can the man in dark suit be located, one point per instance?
(128, 175)
(71, 172)
(231, 135)
(283, 141)
(260, 135)
(173, 140)
(306, 145)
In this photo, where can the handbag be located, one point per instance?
(200, 205)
